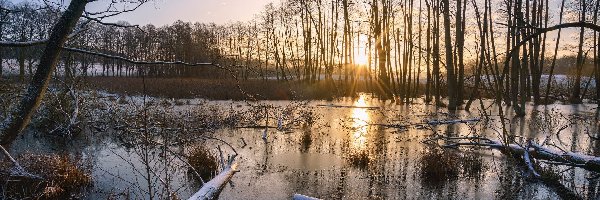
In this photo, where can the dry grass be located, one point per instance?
(62, 177)
(223, 89)
(203, 162)
(438, 167)
(359, 159)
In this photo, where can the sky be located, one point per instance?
(162, 12)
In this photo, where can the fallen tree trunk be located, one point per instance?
(552, 156)
(303, 197)
(213, 188)
(17, 170)
(21, 115)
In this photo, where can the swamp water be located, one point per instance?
(359, 148)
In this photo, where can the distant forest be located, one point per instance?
(402, 48)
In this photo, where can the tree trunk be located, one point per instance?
(21, 60)
(551, 73)
(451, 78)
(21, 116)
(576, 95)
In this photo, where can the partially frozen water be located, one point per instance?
(347, 153)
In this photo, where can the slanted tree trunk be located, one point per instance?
(551, 73)
(20, 117)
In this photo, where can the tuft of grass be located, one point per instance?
(305, 142)
(549, 174)
(112, 98)
(359, 159)
(56, 112)
(165, 102)
(122, 100)
(438, 167)
(62, 177)
(179, 102)
(203, 162)
(472, 165)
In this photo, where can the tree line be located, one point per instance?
(460, 50)
(181, 41)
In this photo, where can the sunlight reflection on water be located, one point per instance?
(317, 160)
(360, 125)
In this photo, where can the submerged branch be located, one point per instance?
(17, 170)
(590, 163)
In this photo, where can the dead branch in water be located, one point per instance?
(429, 122)
(533, 150)
(303, 197)
(17, 170)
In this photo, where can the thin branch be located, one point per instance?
(113, 24)
(140, 62)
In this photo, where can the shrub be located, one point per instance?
(203, 162)
(62, 177)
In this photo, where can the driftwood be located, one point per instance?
(213, 188)
(533, 150)
(17, 170)
(528, 162)
(303, 197)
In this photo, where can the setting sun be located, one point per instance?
(361, 59)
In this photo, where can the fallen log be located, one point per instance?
(213, 188)
(17, 170)
(552, 156)
(303, 197)
(529, 163)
